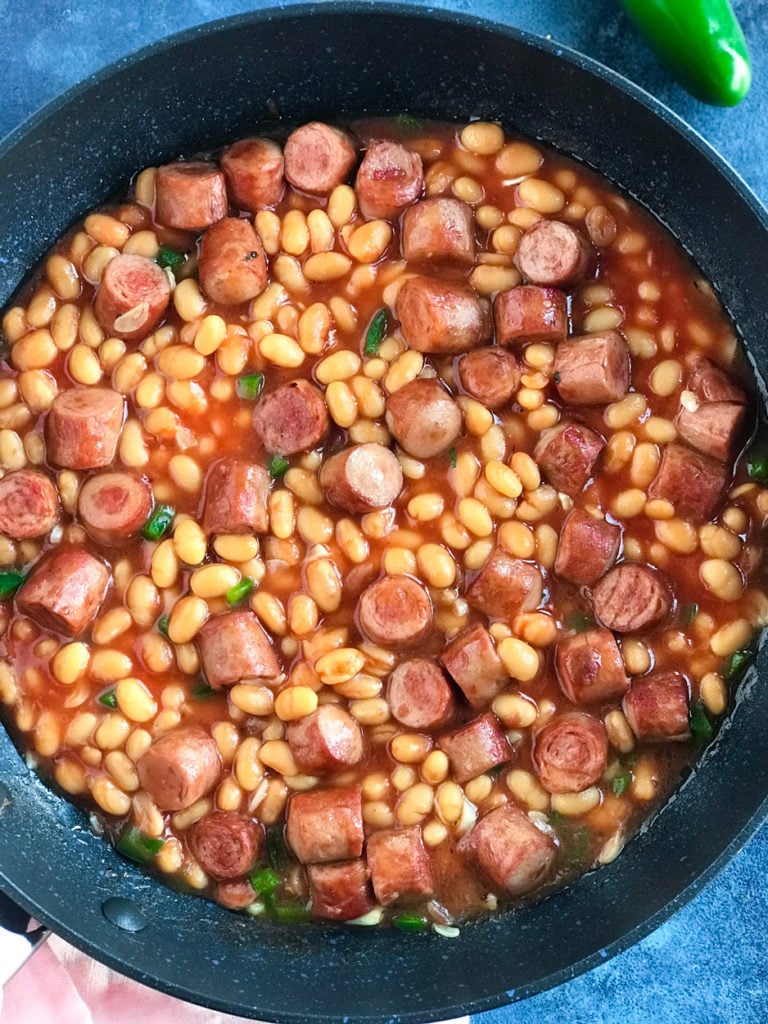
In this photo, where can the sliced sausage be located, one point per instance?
(233, 266)
(326, 740)
(29, 504)
(570, 753)
(292, 418)
(225, 844)
(593, 369)
(326, 825)
(419, 695)
(236, 894)
(340, 892)
(389, 179)
(400, 865)
(132, 297)
(234, 646)
(510, 850)
(362, 478)
(506, 586)
(254, 172)
(395, 610)
(423, 417)
(318, 157)
(490, 375)
(471, 660)
(587, 547)
(442, 317)
(83, 427)
(190, 196)
(656, 707)
(693, 483)
(590, 668)
(114, 506)
(567, 455)
(64, 591)
(630, 598)
(528, 314)
(554, 254)
(710, 383)
(714, 428)
(179, 768)
(236, 495)
(438, 229)
(475, 748)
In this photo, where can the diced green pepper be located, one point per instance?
(159, 522)
(408, 121)
(265, 881)
(108, 699)
(134, 844)
(410, 923)
(290, 913)
(162, 625)
(10, 582)
(278, 466)
(240, 590)
(249, 386)
(737, 664)
(688, 613)
(169, 258)
(700, 725)
(757, 467)
(579, 621)
(375, 333)
(202, 690)
(620, 783)
(452, 458)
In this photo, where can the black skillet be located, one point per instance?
(209, 86)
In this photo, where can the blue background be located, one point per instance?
(709, 963)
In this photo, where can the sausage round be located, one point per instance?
(419, 695)
(590, 668)
(506, 586)
(236, 495)
(587, 547)
(423, 417)
(340, 892)
(64, 591)
(570, 753)
(476, 748)
(83, 427)
(254, 172)
(190, 196)
(318, 157)
(389, 179)
(400, 865)
(325, 825)
(234, 646)
(656, 707)
(362, 478)
(179, 768)
(132, 297)
(490, 375)
(526, 314)
(236, 894)
(292, 418)
(471, 660)
(693, 483)
(554, 254)
(233, 267)
(510, 850)
(441, 316)
(29, 504)
(439, 228)
(114, 506)
(630, 598)
(395, 610)
(567, 455)
(226, 845)
(325, 740)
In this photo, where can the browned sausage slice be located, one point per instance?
(587, 547)
(692, 482)
(656, 707)
(326, 740)
(326, 825)
(438, 229)
(630, 598)
(710, 383)
(530, 314)
(423, 417)
(254, 171)
(472, 662)
(567, 454)
(292, 418)
(233, 647)
(233, 267)
(235, 497)
(395, 610)
(400, 865)
(132, 297)
(570, 753)
(590, 668)
(554, 254)
(389, 178)
(83, 427)
(190, 196)
(114, 506)
(506, 586)
(440, 316)
(64, 591)
(179, 768)
(419, 695)
(340, 892)
(29, 505)
(593, 369)
(510, 850)
(490, 375)
(318, 157)
(225, 844)
(714, 428)
(362, 478)
(475, 748)
(236, 894)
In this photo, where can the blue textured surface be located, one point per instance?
(708, 964)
